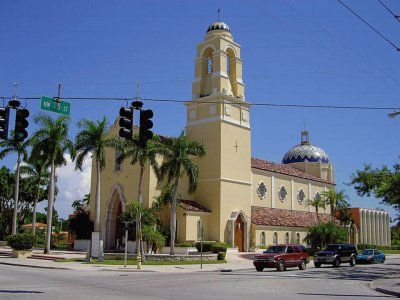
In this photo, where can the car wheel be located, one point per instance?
(302, 265)
(383, 259)
(317, 265)
(352, 261)
(259, 269)
(336, 262)
(281, 266)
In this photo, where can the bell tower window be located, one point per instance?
(209, 65)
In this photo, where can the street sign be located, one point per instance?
(61, 107)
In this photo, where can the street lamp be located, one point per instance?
(393, 114)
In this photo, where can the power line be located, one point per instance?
(369, 25)
(388, 9)
(216, 102)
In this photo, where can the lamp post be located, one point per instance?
(393, 114)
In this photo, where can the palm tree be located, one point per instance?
(143, 156)
(178, 154)
(19, 147)
(92, 139)
(52, 139)
(38, 171)
(334, 199)
(317, 203)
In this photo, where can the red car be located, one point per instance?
(281, 257)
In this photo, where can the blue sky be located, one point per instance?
(310, 52)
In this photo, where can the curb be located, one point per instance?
(31, 266)
(383, 290)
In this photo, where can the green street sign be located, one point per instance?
(62, 107)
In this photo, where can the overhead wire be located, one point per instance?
(369, 25)
(389, 10)
(214, 102)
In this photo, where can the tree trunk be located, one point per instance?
(16, 195)
(173, 216)
(34, 212)
(139, 241)
(97, 201)
(50, 208)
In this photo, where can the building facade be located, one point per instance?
(241, 200)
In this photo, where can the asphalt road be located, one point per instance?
(324, 283)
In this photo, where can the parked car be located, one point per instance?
(371, 256)
(336, 254)
(281, 257)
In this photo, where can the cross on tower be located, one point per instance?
(236, 146)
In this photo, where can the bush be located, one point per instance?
(219, 247)
(369, 246)
(184, 244)
(21, 241)
(326, 233)
(81, 225)
(221, 255)
(214, 247)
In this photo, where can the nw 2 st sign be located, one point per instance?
(62, 107)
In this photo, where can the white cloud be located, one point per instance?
(72, 185)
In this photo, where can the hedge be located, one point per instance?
(21, 241)
(369, 246)
(210, 246)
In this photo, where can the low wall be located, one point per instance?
(179, 250)
(177, 257)
(164, 257)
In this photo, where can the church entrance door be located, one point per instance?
(239, 233)
(114, 230)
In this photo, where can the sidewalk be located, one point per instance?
(235, 261)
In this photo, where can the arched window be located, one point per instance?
(209, 65)
(298, 238)
(117, 165)
(287, 238)
(262, 238)
(275, 239)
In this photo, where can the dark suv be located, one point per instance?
(336, 254)
(281, 257)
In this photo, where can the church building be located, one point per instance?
(240, 200)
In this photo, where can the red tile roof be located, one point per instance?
(265, 165)
(285, 217)
(193, 206)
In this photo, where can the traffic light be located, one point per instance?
(146, 124)
(4, 115)
(21, 123)
(126, 123)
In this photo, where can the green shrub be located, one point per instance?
(369, 246)
(219, 247)
(221, 255)
(206, 246)
(211, 246)
(326, 233)
(21, 241)
(184, 244)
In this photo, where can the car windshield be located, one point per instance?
(332, 247)
(367, 252)
(276, 249)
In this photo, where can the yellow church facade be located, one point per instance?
(240, 200)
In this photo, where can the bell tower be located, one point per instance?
(218, 116)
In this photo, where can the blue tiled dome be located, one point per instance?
(218, 26)
(305, 152)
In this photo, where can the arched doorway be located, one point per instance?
(239, 233)
(113, 228)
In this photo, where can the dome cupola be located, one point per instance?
(218, 26)
(305, 152)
